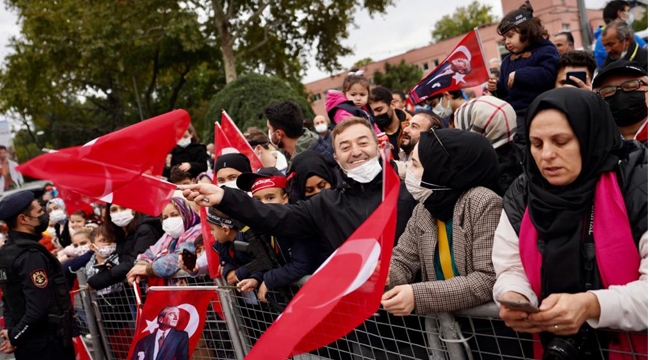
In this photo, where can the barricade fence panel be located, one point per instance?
(476, 333)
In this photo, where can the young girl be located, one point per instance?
(80, 245)
(77, 221)
(532, 66)
(353, 101)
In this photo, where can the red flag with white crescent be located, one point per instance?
(238, 141)
(117, 166)
(343, 292)
(171, 322)
(466, 66)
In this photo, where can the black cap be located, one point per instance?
(14, 204)
(214, 218)
(619, 67)
(246, 181)
(235, 161)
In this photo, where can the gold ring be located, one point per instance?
(556, 327)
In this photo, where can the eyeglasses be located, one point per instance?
(433, 131)
(631, 85)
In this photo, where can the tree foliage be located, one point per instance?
(642, 23)
(82, 69)
(245, 99)
(275, 37)
(402, 76)
(462, 21)
(363, 62)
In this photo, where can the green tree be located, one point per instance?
(642, 23)
(275, 37)
(363, 62)
(463, 20)
(106, 65)
(402, 76)
(245, 100)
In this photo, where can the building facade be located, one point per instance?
(556, 16)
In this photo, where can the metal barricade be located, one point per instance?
(85, 317)
(476, 333)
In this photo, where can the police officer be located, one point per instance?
(37, 307)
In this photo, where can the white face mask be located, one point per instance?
(320, 128)
(122, 218)
(280, 161)
(173, 226)
(184, 142)
(630, 18)
(443, 112)
(58, 216)
(71, 230)
(366, 172)
(105, 251)
(419, 193)
(79, 250)
(230, 184)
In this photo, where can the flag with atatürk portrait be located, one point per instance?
(171, 323)
(466, 66)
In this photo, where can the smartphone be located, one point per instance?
(519, 305)
(189, 259)
(582, 75)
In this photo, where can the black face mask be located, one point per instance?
(628, 108)
(43, 223)
(383, 120)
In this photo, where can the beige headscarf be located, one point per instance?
(488, 116)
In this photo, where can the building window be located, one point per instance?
(436, 62)
(566, 27)
(425, 66)
(316, 97)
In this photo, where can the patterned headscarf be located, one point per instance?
(488, 116)
(58, 202)
(190, 217)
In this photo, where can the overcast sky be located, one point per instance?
(407, 25)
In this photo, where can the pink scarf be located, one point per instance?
(613, 243)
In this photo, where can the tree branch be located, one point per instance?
(256, 46)
(177, 88)
(152, 84)
(254, 16)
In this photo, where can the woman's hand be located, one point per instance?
(517, 320)
(136, 272)
(399, 300)
(247, 285)
(564, 314)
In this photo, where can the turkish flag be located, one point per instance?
(74, 201)
(178, 312)
(120, 167)
(208, 242)
(465, 67)
(343, 292)
(221, 142)
(238, 141)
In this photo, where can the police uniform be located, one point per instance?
(37, 306)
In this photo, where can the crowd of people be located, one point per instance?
(533, 195)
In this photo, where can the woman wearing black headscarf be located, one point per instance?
(449, 236)
(575, 224)
(311, 174)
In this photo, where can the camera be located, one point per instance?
(575, 347)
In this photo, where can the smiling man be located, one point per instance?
(333, 214)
